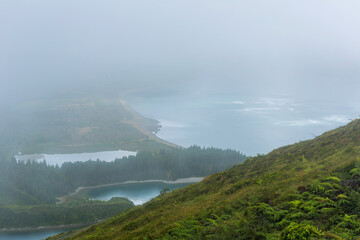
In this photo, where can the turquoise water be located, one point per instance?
(31, 235)
(138, 193)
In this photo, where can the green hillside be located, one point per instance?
(79, 211)
(308, 190)
(29, 191)
(76, 125)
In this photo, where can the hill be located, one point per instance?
(29, 190)
(308, 190)
(76, 125)
(31, 182)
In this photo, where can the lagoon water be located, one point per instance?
(31, 235)
(137, 192)
(59, 159)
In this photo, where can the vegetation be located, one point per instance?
(36, 185)
(162, 164)
(31, 182)
(309, 190)
(76, 125)
(74, 212)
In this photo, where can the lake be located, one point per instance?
(138, 192)
(32, 234)
(59, 159)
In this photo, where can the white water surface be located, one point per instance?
(59, 159)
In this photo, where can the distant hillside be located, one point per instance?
(76, 125)
(308, 190)
(32, 183)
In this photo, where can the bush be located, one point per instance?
(300, 232)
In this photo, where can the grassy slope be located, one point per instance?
(269, 179)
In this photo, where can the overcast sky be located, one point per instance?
(296, 47)
(296, 50)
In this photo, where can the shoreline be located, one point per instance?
(62, 199)
(80, 225)
(145, 131)
(41, 228)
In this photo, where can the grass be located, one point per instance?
(226, 205)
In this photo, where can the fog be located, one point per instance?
(289, 69)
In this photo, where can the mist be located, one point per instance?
(288, 69)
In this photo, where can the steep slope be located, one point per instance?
(308, 190)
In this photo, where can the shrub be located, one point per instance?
(300, 232)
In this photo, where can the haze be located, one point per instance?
(248, 75)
